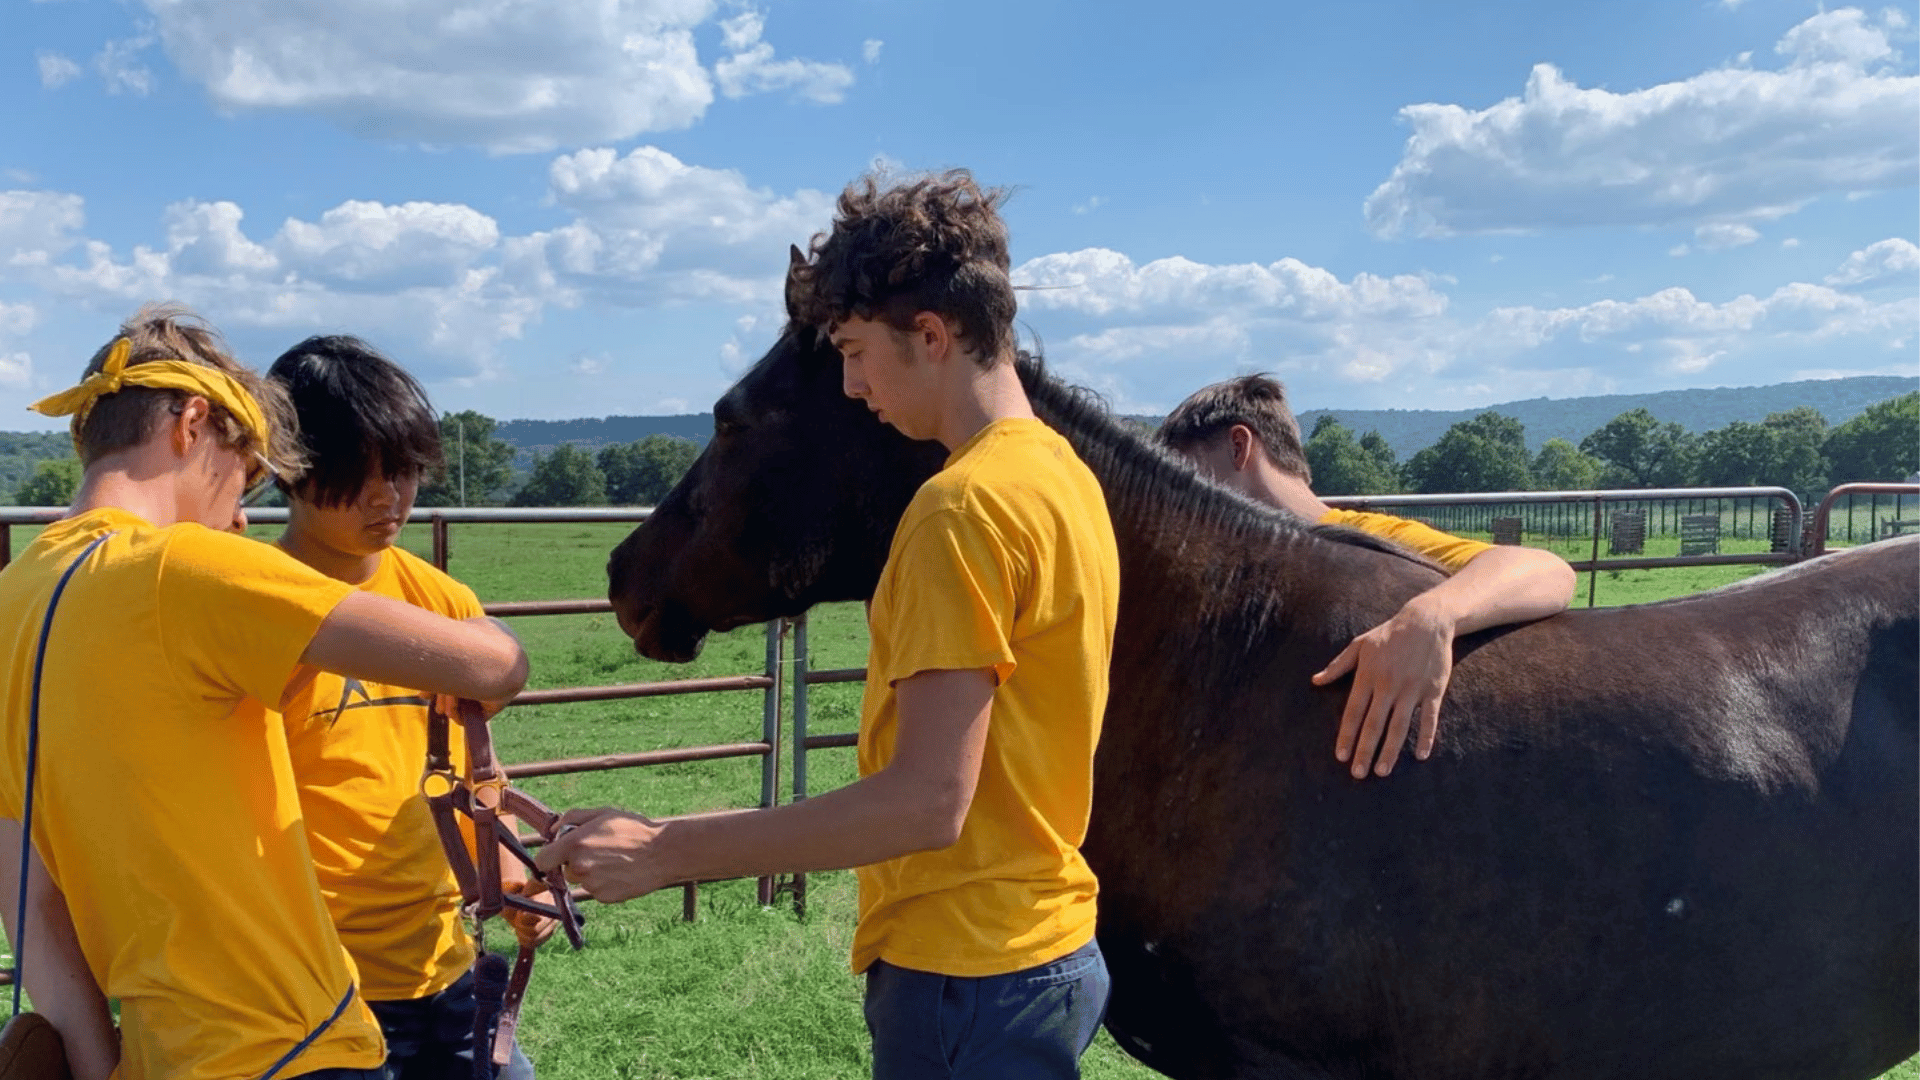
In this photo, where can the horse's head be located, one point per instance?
(793, 503)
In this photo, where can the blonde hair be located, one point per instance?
(172, 331)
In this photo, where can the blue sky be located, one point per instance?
(581, 209)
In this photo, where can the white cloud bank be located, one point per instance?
(513, 76)
(1148, 334)
(1727, 146)
(445, 285)
(56, 70)
(751, 69)
(646, 229)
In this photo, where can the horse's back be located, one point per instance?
(1670, 841)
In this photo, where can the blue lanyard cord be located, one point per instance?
(314, 1034)
(33, 760)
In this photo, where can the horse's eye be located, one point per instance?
(727, 427)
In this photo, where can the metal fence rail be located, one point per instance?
(1551, 514)
(1436, 509)
(1901, 522)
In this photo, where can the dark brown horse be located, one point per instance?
(1670, 841)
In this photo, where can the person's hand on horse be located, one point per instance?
(532, 929)
(606, 852)
(1400, 672)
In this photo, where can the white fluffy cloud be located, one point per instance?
(1721, 235)
(1096, 281)
(37, 227)
(644, 229)
(649, 226)
(1674, 334)
(1887, 260)
(751, 69)
(16, 367)
(56, 70)
(375, 247)
(1132, 325)
(415, 273)
(1727, 145)
(513, 76)
(122, 68)
(1145, 335)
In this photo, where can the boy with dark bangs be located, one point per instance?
(358, 747)
(144, 789)
(992, 629)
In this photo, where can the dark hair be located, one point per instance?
(1259, 402)
(358, 412)
(934, 244)
(171, 331)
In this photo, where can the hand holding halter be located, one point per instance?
(484, 795)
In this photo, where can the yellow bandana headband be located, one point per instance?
(208, 382)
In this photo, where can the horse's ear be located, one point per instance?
(795, 261)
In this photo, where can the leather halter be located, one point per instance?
(484, 795)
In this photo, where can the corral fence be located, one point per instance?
(1774, 514)
(1700, 517)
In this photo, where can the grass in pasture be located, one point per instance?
(744, 991)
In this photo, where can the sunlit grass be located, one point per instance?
(745, 990)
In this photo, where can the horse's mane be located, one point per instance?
(1135, 468)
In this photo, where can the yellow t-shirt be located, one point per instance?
(1448, 550)
(166, 814)
(1005, 559)
(358, 751)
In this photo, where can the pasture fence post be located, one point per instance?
(800, 720)
(770, 733)
(6, 544)
(442, 544)
(1593, 574)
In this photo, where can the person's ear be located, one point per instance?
(1243, 446)
(189, 425)
(934, 335)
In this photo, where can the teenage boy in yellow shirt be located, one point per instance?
(168, 867)
(358, 746)
(1242, 434)
(992, 629)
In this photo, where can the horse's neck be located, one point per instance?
(1172, 528)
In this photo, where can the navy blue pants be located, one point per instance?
(431, 1038)
(1027, 1025)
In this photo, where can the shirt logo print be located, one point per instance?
(353, 695)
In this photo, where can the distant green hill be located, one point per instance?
(1406, 430)
(538, 436)
(1411, 430)
(20, 451)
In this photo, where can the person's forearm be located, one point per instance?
(376, 637)
(871, 821)
(62, 986)
(1502, 586)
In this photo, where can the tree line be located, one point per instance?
(479, 470)
(1796, 449)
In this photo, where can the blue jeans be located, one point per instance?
(1027, 1025)
(431, 1038)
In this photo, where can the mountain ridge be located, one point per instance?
(1406, 430)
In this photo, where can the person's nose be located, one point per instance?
(853, 382)
(382, 493)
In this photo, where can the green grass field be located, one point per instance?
(745, 990)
